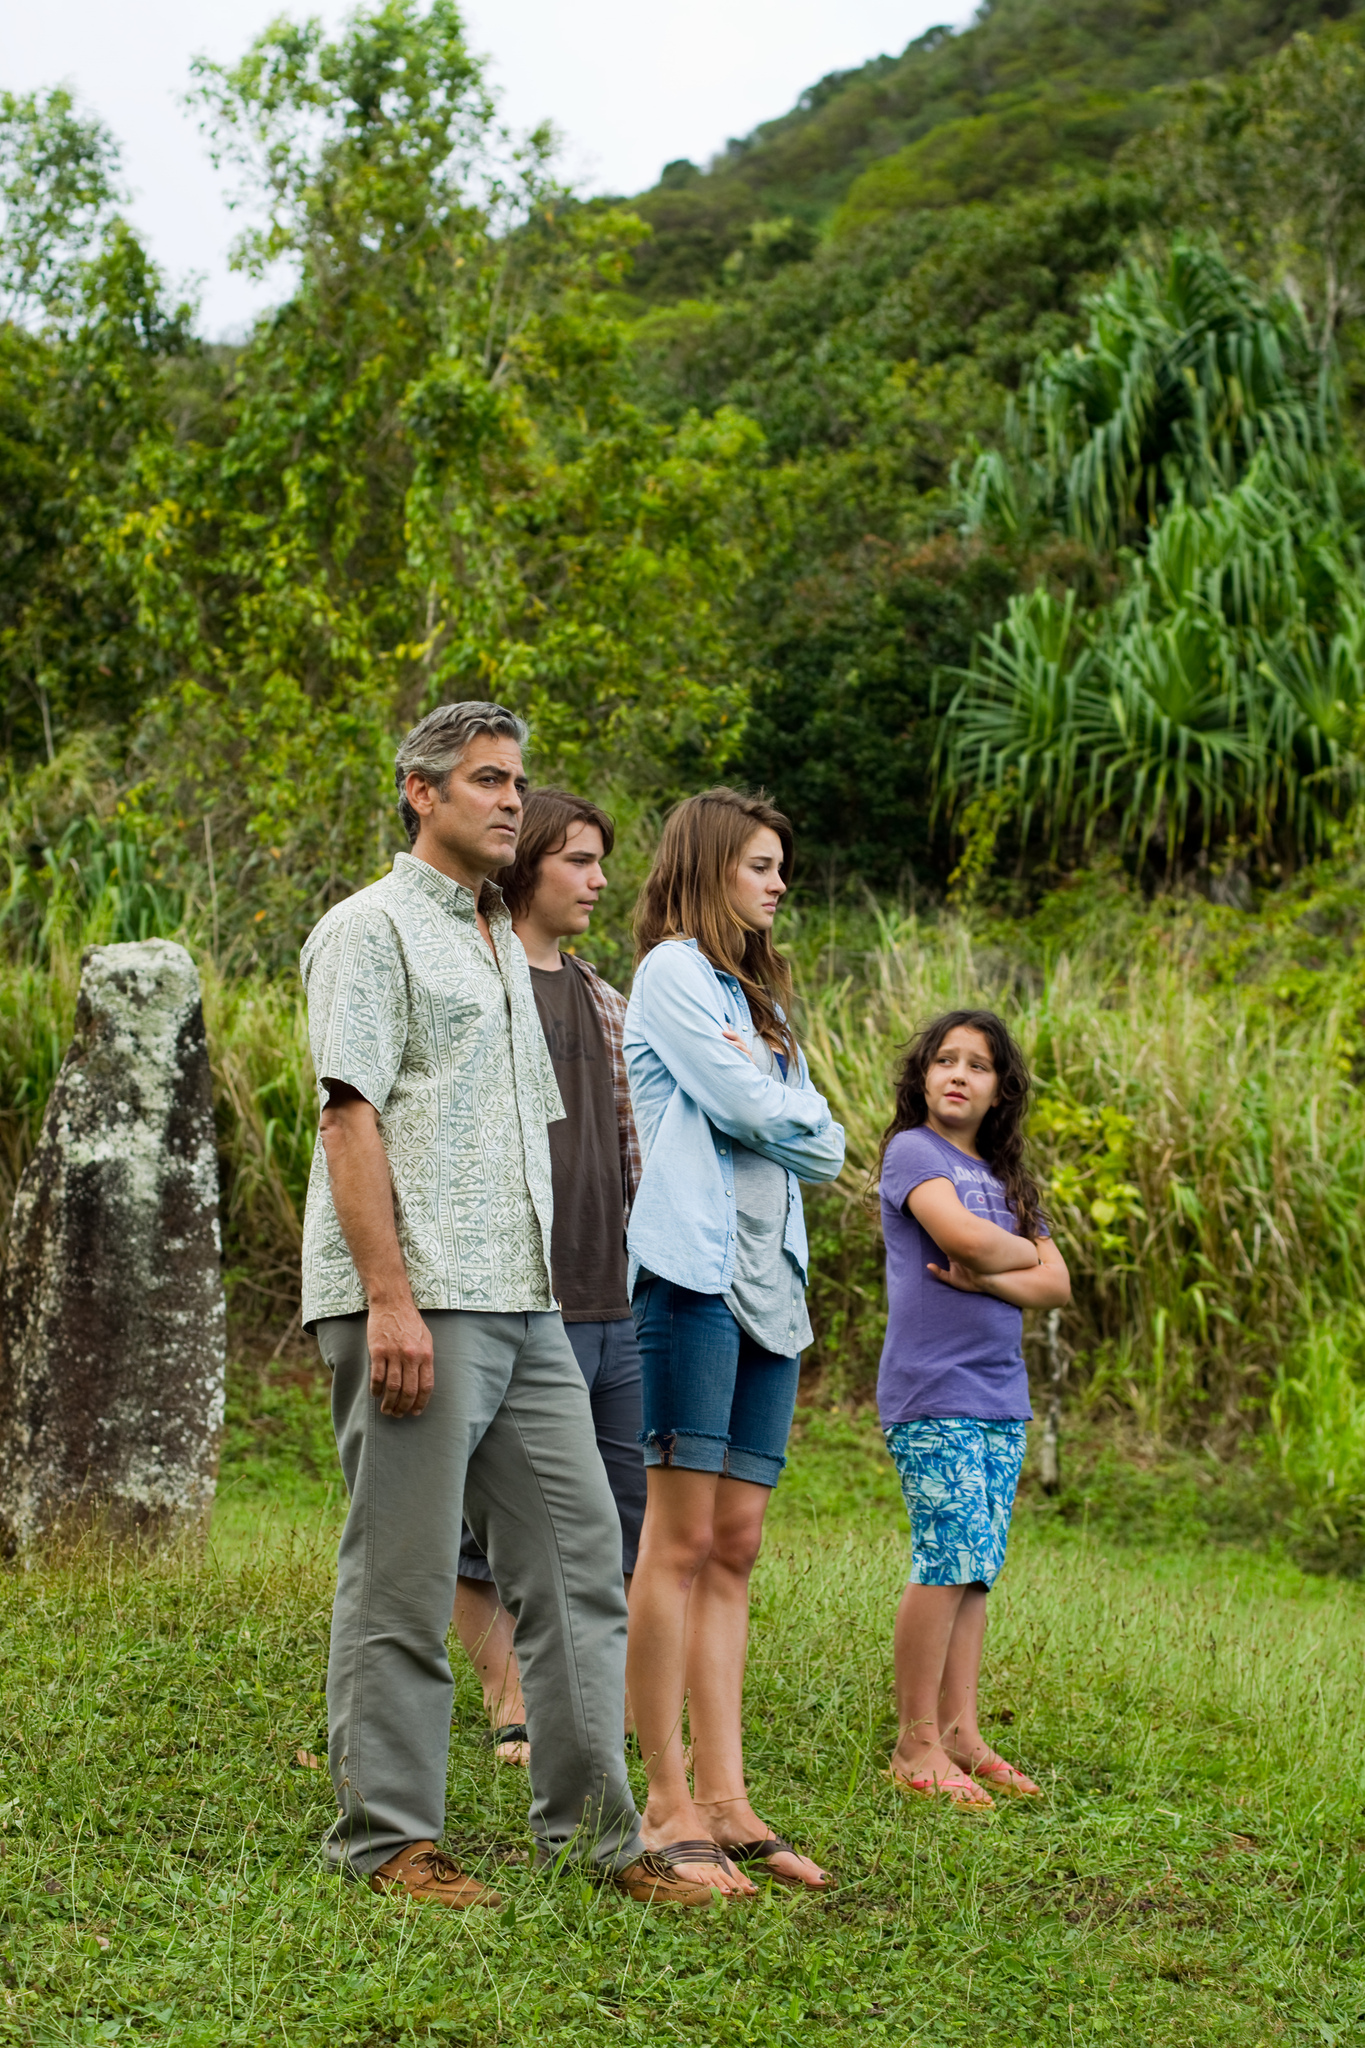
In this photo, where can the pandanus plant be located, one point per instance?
(1222, 692)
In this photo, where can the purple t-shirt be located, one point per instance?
(946, 1353)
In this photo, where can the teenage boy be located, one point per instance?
(426, 1276)
(550, 890)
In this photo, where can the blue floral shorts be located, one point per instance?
(958, 1478)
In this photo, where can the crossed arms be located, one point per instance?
(790, 1124)
(985, 1259)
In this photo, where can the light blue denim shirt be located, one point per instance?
(692, 1093)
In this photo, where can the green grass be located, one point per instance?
(1195, 1875)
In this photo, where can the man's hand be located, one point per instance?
(400, 1358)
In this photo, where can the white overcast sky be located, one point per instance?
(628, 84)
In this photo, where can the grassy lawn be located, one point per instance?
(1194, 1877)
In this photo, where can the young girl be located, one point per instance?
(966, 1252)
(728, 1123)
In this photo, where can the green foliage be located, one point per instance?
(85, 337)
(1191, 1061)
(1011, 145)
(266, 1111)
(1317, 1417)
(827, 355)
(1275, 162)
(1184, 378)
(424, 480)
(1220, 694)
(842, 724)
(91, 883)
(57, 191)
(867, 369)
(1089, 1185)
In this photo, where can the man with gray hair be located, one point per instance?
(426, 1277)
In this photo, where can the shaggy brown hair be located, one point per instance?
(1000, 1140)
(547, 818)
(687, 896)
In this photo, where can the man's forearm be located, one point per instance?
(401, 1370)
(362, 1194)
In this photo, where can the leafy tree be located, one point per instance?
(425, 478)
(1221, 694)
(84, 346)
(1275, 162)
(1220, 697)
(58, 189)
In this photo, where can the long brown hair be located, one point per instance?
(1000, 1139)
(687, 896)
(547, 818)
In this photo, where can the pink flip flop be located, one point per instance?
(1006, 1779)
(957, 1788)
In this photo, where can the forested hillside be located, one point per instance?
(1030, 88)
(972, 458)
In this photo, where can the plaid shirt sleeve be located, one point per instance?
(610, 1006)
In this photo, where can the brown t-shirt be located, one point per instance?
(588, 1240)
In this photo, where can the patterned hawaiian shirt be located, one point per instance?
(407, 1004)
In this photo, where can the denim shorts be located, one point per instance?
(958, 1477)
(713, 1400)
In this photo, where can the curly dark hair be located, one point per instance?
(1000, 1140)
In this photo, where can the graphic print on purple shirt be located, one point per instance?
(946, 1353)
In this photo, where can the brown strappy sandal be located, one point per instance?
(680, 1854)
(763, 1853)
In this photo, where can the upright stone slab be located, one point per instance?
(111, 1309)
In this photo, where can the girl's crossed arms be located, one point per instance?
(982, 1257)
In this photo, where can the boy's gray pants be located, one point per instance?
(508, 1435)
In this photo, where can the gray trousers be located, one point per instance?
(609, 1360)
(507, 1432)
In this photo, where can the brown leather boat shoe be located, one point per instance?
(426, 1874)
(654, 1881)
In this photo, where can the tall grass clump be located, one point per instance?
(93, 884)
(1317, 1415)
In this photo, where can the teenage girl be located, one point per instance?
(728, 1123)
(966, 1252)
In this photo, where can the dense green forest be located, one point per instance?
(971, 457)
(1030, 89)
